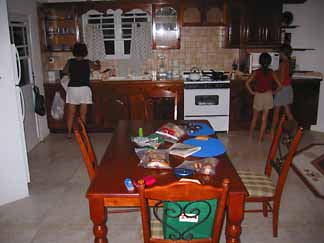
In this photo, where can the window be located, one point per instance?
(19, 37)
(116, 28)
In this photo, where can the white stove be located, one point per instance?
(208, 99)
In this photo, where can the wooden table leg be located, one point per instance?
(235, 214)
(99, 217)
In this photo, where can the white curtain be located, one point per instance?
(141, 47)
(95, 42)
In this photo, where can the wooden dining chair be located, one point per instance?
(260, 186)
(89, 156)
(173, 205)
(157, 104)
(86, 148)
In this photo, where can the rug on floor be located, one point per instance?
(309, 164)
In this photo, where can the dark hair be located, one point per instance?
(80, 50)
(265, 61)
(286, 49)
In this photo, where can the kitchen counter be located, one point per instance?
(124, 81)
(114, 100)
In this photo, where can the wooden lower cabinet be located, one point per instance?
(240, 106)
(112, 101)
(306, 98)
(304, 107)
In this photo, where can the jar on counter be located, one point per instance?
(169, 75)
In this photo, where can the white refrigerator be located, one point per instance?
(14, 172)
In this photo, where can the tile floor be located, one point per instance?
(57, 210)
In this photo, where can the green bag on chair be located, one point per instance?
(178, 227)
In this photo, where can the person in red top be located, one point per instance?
(264, 78)
(285, 96)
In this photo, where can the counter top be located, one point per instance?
(296, 78)
(133, 81)
(126, 82)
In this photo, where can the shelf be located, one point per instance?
(61, 34)
(303, 49)
(56, 18)
(290, 26)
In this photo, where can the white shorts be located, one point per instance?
(79, 95)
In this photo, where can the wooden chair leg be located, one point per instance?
(275, 219)
(265, 209)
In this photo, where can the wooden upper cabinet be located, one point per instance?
(166, 31)
(262, 27)
(203, 12)
(254, 24)
(60, 25)
(235, 14)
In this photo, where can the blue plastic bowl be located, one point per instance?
(181, 172)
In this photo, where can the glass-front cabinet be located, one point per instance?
(60, 27)
(166, 31)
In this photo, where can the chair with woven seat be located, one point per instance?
(158, 103)
(89, 156)
(180, 214)
(260, 186)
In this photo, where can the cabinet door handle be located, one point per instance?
(119, 102)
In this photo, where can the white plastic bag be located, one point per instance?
(57, 110)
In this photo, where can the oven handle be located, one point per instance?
(201, 103)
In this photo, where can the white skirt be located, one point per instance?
(79, 95)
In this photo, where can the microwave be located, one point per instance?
(254, 61)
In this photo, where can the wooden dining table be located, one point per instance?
(120, 161)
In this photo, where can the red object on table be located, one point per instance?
(148, 181)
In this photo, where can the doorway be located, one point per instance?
(20, 36)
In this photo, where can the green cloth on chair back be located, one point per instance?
(173, 228)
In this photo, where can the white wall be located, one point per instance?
(29, 8)
(310, 34)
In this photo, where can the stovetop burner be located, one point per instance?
(209, 76)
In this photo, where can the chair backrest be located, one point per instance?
(183, 198)
(156, 98)
(282, 151)
(87, 151)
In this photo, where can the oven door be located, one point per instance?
(206, 102)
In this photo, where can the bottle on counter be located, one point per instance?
(162, 74)
(175, 69)
(234, 68)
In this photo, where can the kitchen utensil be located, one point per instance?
(194, 74)
(106, 70)
(215, 75)
(287, 18)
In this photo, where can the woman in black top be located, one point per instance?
(78, 92)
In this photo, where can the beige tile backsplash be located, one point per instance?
(201, 47)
